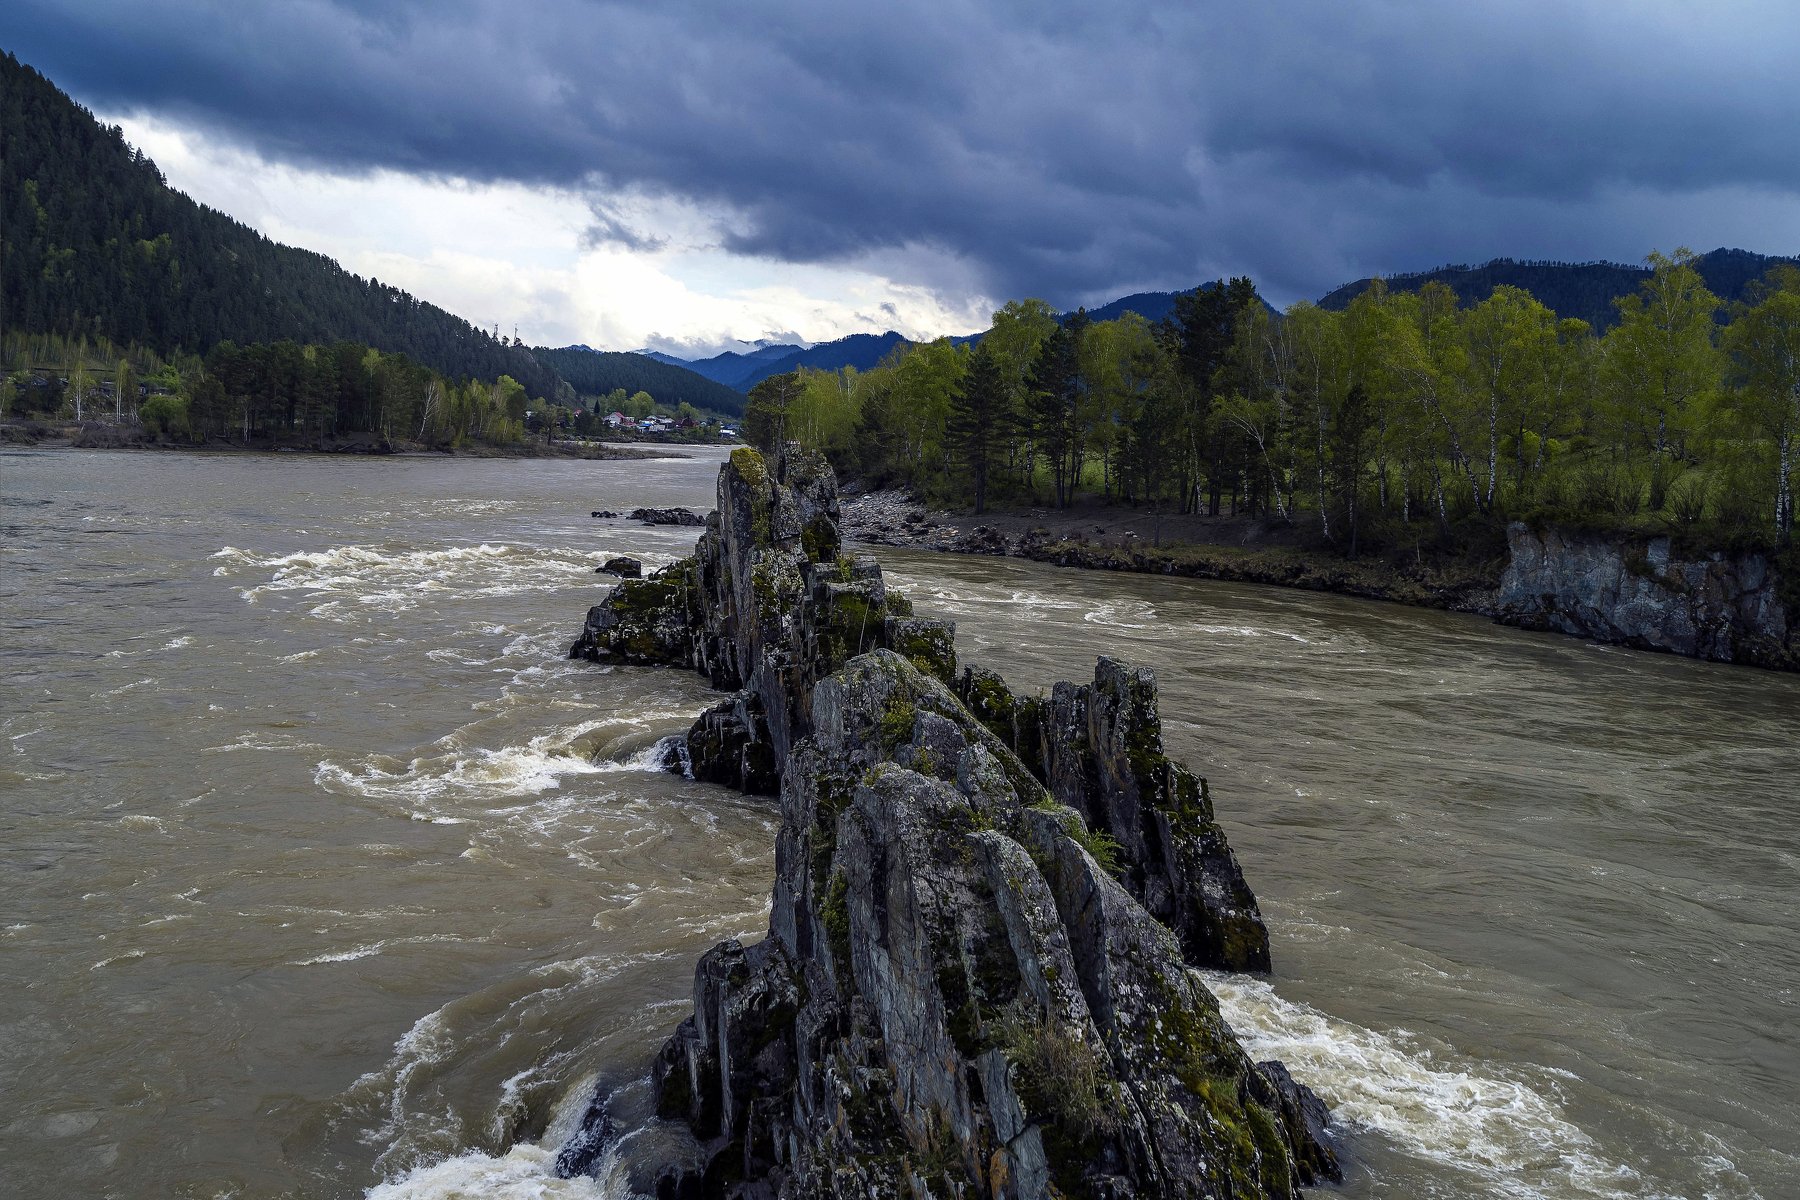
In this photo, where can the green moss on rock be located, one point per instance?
(897, 723)
(834, 914)
(929, 645)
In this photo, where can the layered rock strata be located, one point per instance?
(979, 978)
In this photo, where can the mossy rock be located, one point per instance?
(851, 621)
(819, 540)
(929, 645)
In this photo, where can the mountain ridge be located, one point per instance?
(1571, 289)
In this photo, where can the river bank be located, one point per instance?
(99, 436)
(1641, 591)
(1234, 549)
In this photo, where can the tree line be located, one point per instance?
(296, 394)
(1403, 417)
(278, 393)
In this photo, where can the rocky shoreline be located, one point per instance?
(1122, 541)
(1636, 592)
(980, 976)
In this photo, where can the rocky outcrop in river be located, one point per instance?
(1727, 608)
(979, 978)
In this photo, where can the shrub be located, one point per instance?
(166, 418)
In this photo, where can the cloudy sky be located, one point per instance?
(683, 174)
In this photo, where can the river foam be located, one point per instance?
(347, 580)
(1514, 1138)
(523, 1173)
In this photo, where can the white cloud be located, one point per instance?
(516, 256)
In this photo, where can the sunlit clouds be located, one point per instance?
(530, 258)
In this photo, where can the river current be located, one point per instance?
(323, 873)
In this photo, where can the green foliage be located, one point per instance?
(897, 724)
(166, 418)
(1054, 403)
(97, 242)
(766, 411)
(287, 393)
(1404, 421)
(749, 464)
(834, 912)
(1064, 1078)
(1100, 845)
(1067, 1090)
(1661, 361)
(1578, 290)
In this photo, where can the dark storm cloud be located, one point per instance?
(1070, 151)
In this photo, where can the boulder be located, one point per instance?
(623, 566)
(983, 539)
(666, 516)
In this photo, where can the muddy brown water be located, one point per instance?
(322, 870)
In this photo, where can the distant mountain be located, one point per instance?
(859, 350)
(96, 242)
(732, 367)
(1584, 290)
(740, 370)
(744, 371)
(658, 355)
(1152, 306)
(596, 372)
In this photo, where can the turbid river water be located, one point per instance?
(322, 870)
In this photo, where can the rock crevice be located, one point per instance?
(979, 978)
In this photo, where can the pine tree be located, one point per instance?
(1054, 404)
(980, 420)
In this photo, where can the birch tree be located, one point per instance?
(1764, 343)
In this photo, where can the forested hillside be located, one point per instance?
(598, 372)
(1583, 290)
(94, 243)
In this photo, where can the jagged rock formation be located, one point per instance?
(1719, 607)
(978, 979)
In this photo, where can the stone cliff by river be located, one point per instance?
(980, 973)
(1726, 608)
